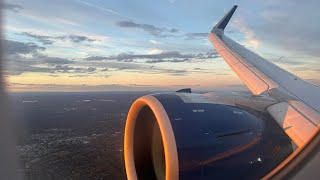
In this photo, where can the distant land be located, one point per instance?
(71, 135)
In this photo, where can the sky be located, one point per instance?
(107, 45)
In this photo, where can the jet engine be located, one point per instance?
(183, 135)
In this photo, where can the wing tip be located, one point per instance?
(221, 25)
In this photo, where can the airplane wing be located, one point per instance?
(297, 109)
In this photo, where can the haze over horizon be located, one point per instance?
(95, 45)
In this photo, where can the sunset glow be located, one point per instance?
(92, 45)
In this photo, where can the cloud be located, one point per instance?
(171, 60)
(15, 48)
(47, 40)
(156, 61)
(151, 29)
(134, 67)
(99, 7)
(97, 58)
(20, 66)
(23, 57)
(190, 36)
(311, 67)
(293, 27)
(249, 35)
(16, 51)
(154, 42)
(91, 69)
(155, 51)
(71, 70)
(175, 72)
(42, 64)
(166, 56)
(63, 69)
(117, 87)
(17, 65)
(75, 38)
(79, 75)
(20, 61)
(81, 87)
(53, 60)
(104, 69)
(53, 75)
(43, 39)
(12, 7)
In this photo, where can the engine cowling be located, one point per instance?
(169, 138)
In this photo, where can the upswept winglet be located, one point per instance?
(224, 21)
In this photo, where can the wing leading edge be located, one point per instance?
(298, 107)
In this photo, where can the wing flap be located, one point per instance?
(297, 120)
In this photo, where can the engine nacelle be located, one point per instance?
(167, 137)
